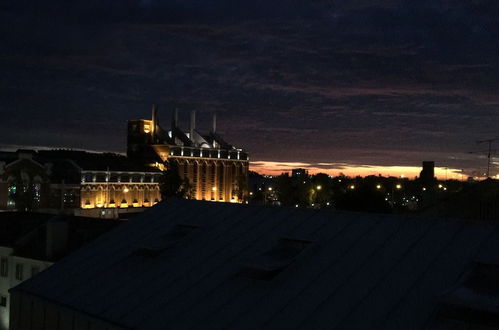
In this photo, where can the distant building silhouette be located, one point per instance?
(427, 174)
(299, 172)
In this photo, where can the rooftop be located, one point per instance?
(193, 264)
(27, 233)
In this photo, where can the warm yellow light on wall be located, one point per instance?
(147, 128)
(214, 188)
(126, 190)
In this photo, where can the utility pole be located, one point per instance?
(489, 152)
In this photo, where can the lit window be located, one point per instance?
(19, 272)
(4, 267)
(12, 190)
(37, 188)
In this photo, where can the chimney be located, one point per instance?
(56, 236)
(214, 128)
(154, 121)
(193, 125)
(174, 122)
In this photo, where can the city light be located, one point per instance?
(352, 187)
(424, 189)
(319, 187)
(398, 186)
(214, 188)
(270, 188)
(378, 186)
(125, 190)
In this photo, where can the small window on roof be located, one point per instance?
(268, 265)
(166, 241)
(474, 301)
(4, 267)
(34, 270)
(19, 272)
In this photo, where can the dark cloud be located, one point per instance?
(368, 82)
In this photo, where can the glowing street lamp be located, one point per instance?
(378, 186)
(398, 186)
(319, 187)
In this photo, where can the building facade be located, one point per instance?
(32, 242)
(214, 169)
(76, 182)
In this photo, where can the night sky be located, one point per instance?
(324, 84)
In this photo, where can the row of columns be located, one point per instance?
(213, 179)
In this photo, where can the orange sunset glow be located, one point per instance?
(334, 169)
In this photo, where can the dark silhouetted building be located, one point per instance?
(299, 172)
(427, 174)
(33, 242)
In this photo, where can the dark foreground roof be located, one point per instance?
(14, 225)
(26, 233)
(191, 264)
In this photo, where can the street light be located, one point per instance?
(378, 186)
(398, 186)
(319, 187)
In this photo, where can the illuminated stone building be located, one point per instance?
(215, 170)
(76, 182)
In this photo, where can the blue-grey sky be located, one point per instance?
(352, 82)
